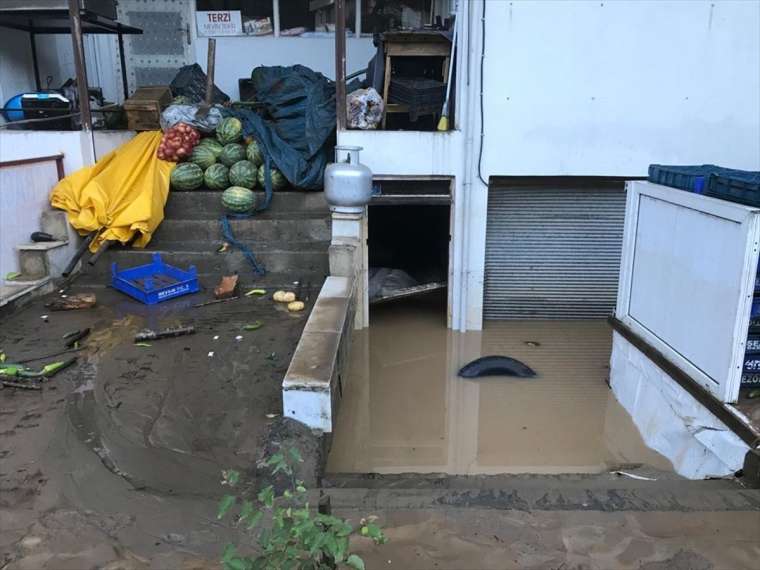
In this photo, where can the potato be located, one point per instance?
(296, 306)
(284, 296)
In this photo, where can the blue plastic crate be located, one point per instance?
(155, 282)
(691, 178)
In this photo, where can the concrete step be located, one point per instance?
(15, 292)
(202, 204)
(293, 258)
(43, 259)
(295, 228)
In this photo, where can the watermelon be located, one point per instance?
(243, 173)
(238, 199)
(230, 130)
(217, 177)
(253, 152)
(212, 144)
(278, 180)
(187, 176)
(232, 153)
(203, 156)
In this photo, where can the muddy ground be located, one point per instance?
(117, 460)
(115, 464)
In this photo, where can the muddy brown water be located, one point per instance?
(404, 408)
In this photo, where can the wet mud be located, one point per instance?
(117, 460)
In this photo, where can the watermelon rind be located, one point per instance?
(232, 153)
(203, 156)
(278, 179)
(216, 177)
(253, 153)
(229, 130)
(238, 199)
(187, 176)
(243, 173)
(215, 146)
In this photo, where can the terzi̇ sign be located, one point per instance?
(219, 23)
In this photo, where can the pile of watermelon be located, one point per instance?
(229, 163)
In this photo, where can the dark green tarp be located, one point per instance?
(293, 121)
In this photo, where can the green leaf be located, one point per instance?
(232, 477)
(225, 505)
(295, 455)
(229, 552)
(254, 519)
(235, 564)
(12, 275)
(266, 496)
(353, 561)
(142, 344)
(252, 327)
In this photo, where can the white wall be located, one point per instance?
(606, 88)
(76, 146)
(237, 56)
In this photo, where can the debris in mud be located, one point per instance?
(253, 327)
(633, 476)
(149, 334)
(496, 366)
(296, 306)
(73, 338)
(15, 370)
(74, 302)
(21, 385)
(256, 292)
(214, 302)
(227, 287)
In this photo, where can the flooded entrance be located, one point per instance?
(404, 408)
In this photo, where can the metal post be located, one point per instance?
(340, 63)
(35, 62)
(123, 63)
(81, 70)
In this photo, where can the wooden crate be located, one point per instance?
(144, 107)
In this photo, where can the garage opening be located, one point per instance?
(408, 241)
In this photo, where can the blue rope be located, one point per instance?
(229, 237)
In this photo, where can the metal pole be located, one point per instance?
(81, 70)
(123, 62)
(35, 61)
(210, 70)
(340, 63)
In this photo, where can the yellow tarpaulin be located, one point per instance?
(122, 194)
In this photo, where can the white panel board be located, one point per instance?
(687, 280)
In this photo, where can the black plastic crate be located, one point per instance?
(691, 178)
(735, 186)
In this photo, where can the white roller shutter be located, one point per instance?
(553, 252)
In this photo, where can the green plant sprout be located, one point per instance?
(298, 538)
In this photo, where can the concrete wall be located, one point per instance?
(76, 146)
(670, 420)
(606, 88)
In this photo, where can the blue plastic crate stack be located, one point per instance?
(742, 187)
(751, 371)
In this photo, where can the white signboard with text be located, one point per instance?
(219, 23)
